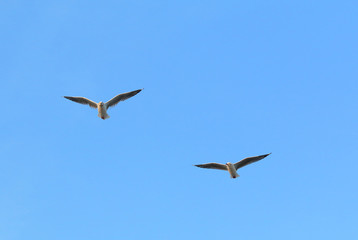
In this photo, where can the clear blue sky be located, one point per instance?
(222, 80)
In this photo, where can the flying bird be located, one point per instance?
(101, 106)
(233, 167)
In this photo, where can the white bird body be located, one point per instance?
(102, 112)
(103, 107)
(232, 168)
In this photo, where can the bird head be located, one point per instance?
(101, 103)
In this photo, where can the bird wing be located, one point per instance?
(212, 166)
(249, 160)
(82, 100)
(121, 97)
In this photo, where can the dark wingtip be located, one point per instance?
(138, 90)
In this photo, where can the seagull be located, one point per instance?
(101, 106)
(233, 167)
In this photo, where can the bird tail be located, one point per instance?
(103, 116)
(235, 175)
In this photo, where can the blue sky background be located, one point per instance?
(222, 80)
